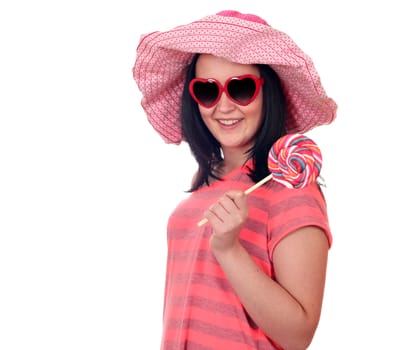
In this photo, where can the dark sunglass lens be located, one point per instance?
(206, 92)
(242, 90)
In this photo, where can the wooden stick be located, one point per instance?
(260, 183)
(250, 189)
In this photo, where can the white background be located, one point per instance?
(86, 185)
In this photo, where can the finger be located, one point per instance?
(214, 212)
(228, 204)
(238, 197)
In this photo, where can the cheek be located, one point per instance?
(255, 110)
(205, 114)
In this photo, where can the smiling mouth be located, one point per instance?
(228, 122)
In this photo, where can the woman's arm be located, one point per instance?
(288, 309)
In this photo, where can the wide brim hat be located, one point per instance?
(163, 57)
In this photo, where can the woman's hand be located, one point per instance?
(227, 217)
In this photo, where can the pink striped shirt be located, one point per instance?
(201, 310)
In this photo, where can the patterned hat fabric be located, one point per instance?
(163, 57)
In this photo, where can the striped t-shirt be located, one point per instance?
(201, 310)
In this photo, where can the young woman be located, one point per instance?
(253, 277)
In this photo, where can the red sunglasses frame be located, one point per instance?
(258, 83)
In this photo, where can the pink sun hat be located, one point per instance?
(163, 57)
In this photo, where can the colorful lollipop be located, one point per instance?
(294, 161)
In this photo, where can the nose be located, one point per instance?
(225, 105)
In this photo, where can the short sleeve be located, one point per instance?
(292, 209)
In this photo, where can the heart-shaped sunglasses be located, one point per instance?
(242, 90)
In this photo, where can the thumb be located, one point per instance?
(238, 197)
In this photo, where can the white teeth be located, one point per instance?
(228, 122)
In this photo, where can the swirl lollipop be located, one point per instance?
(294, 161)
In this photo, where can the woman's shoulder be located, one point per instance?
(278, 192)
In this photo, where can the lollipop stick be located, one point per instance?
(258, 184)
(250, 189)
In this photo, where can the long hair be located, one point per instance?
(207, 150)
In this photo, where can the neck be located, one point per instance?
(232, 161)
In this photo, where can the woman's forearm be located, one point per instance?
(281, 317)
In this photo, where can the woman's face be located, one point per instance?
(233, 125)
